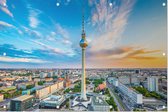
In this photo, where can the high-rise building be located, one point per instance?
(152, 83)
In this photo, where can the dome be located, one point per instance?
(83, 43)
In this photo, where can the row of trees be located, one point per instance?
(96, 82)
(30, 86)
(11, 95)
(111, 101)
(146, 93)
(76, 89)
(41, 82)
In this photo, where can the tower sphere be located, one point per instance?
(83, 43)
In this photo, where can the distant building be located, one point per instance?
(22, 103)
(124, 79)
(163, 85)
(67, 82)
(113, 81)
(43, 75)
(30, 78)
(1, 97)
(60, 79)
(48, 79)
(152, 83)
(98, 104)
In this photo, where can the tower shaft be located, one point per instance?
(83, 84)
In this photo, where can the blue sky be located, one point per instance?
(46, 33)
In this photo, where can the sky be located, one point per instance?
(46, 33)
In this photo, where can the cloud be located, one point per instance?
(59, 35)
(64, 34)
(25, 60)
(12, 51)
(55, 50)
(33, 16)
(4, 7)
(18, 55)
(121, 53)
(110, 22)
(32, 33)
(5, 25)
(62, 31)
(134, 54)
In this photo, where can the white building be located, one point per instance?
(53, 101)
(113, 81)
(128, 93)
(98, 104)
(43, 75)
(152, 83)
(124, 79)
(134, 97)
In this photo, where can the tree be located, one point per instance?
(40, 82)
(29, 86)
(67, 90)
(55, 77)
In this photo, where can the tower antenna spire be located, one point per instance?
(83, 18)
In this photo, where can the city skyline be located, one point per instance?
(121, 33)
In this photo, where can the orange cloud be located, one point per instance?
(127, 57)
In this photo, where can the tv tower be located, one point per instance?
(83, 44)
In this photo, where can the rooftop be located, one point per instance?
(22, 98)
(99, 101)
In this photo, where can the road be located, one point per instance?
(121, 105)
(120, 108)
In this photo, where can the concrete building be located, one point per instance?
(1, 97)
(163, 85)
(22, 103)
(67, 82)
(152, 83)
(43, 75)
(124, 79)
(44, 91)
(53, 102)
(98, 104)
(113, 81)
(128, 93)
(129, 79)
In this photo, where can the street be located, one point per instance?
(120, 108)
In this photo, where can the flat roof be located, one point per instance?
(99, 101)
(23, 97)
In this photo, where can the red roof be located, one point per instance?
(101, 86)
(60, 79)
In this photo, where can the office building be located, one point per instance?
(127, 93)
(22, 103)
(131, 95)
(152, 83)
